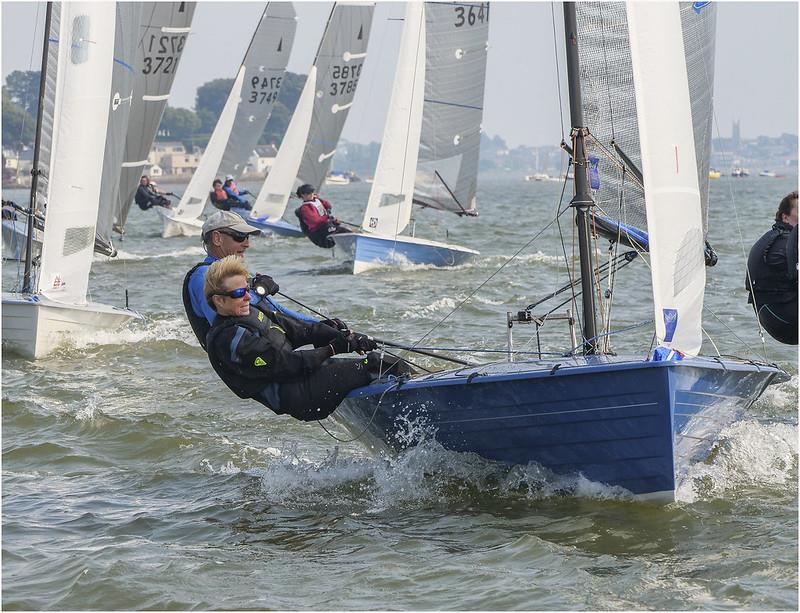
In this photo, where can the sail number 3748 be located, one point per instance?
(472, 15)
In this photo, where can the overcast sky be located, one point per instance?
(756, 75)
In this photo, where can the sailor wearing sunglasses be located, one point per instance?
(224, 233)
(254, 351)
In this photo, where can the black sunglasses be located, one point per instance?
(239, 292)
(237, 236)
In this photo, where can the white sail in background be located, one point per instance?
(265, 66)
(195, 195)
(165, 27)
(329, 90)
(431, 143)
(669, 167)
(390, 199)
(126, 40)
(247, 108)
(85, 50)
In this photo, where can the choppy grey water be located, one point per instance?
(133, 479)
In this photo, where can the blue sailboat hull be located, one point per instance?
(371, 251)
(279, 227)
(624, 422)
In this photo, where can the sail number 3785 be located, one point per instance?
(472, 15)
(345, 79)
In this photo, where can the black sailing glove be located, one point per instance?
(361, 342)
(341, 344)
(263, 285)
(336, 324)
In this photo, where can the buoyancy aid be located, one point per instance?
(768, 268)
(199, 323)
(232, 186)
(220, 194)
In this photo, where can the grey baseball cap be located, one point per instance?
(225, 220)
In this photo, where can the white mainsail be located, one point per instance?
(432, 133)
(80, 111)
(165, 27)
(310, 142)
(669, 167)
(390, 199)
(248, 106)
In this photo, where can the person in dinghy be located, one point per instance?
(255, 352)
(148, 195)
(236, 196)
(316, 218)
(771, 280)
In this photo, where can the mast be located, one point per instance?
(582, 200)
(27, 280)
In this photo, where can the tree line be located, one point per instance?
(193, 127)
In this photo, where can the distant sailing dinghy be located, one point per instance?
(638, 421)
(241, 123)
(75, 87)
(308, 147)
(431, 141)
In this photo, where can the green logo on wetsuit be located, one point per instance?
(259, 362)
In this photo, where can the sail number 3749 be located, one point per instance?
(472, 15)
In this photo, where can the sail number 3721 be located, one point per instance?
(163, 53)
(472, 15)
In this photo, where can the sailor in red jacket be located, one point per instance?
(316, 219)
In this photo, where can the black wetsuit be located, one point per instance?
(772, 271)
(146, 198)
(256, 358)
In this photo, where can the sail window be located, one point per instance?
(79, 50)
(390, 199)
(77, 239)
(688, 259)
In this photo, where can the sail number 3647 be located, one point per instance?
(472, 15)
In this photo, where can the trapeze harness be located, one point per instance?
(772, 270)
(320, 234)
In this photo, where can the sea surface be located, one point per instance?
(132, 478)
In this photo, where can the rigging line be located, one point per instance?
(711, 340)
(489, 278)
(449, 191)
(612, 158)
(727, 327)
(369, 423)
(570, 271)
(599, 336)
(739, 230)
(558, 72)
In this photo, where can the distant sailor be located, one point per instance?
(772, 274)
(254, 351)
(148, 195)
(236, 195)
(316, 219)
(225, 233)
(219, 197)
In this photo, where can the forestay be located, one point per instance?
(126, 40)
(669, 167)
(311, 139)
(85, 46)
(165, 28)
(265, 66)
(609, 103)
(248, 106)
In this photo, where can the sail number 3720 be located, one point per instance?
(472, 15)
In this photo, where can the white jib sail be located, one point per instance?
(194, 198)
(672, 195)
(85, 55)
(390, 200)
(274, 195)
